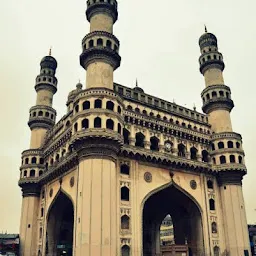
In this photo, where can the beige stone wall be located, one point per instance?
(37, 137)
(235, 223)
(29, 226)
(213, 76)
(220, 121)
(99, 74)
(44, 97)
(101, 22)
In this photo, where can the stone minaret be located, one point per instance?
(227, 154)
(42, 118)
(97, 135)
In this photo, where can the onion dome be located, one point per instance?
(208, 39)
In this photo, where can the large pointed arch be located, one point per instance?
(185, 211)
(60, 225)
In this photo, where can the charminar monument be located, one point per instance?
(101, 180)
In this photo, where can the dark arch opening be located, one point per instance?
(205, 156)
(119, 128)
(85, 124)
(186, 227)
(98, 103)
(181, 150)
(220, 145)
(214, 228)
(154, 141)
(110, 124)
(125, 194)
(125, 169)
(232, 159)
(32, 173)
(212, 204)
(210, 184)
(86, 105)
(33, 160)
(240, 159)
(60, 225)
(125, 250)
(230, 144)
(222, 159)
(193, 153)
(139, 140)
(110, 105)
(126, 135)
(97, 122)
(125, 222)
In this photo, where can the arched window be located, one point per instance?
(75, 127)
(222, 159)
(42, 212)
(32, 173)
(99, 42)
(57, 157)
(216, 251)
(220, 145)
(154, 143)
(207, 96)
(125, 250)
(33, 160)
(51, 162)
(209, 184)
(139, 140)
(40, 173)
(181, 150)
(221, 93)
(47, 114)
(40, 113)
(98, 103)
(46, 166)
(85, 124)
(110, 105)
(67, 123)
(212, 204)
(214, 94)
(193, 153)
(119, 109)
(125, 169)
(158, 116)
(86, 105)
(144, 112)
(129, 107)
(238, 145)
(232, 159)
(151, 114)
(110, 124)
(25, 173)
(119, 128)
(97, 122)
(125, 222)
(230, 144)
(205, 156)
(109, 44)
(125, 194)
(213, 146)
(77, 108)
(214, 228)
(91, 43)
(41, 160)
(40, 236)
(240, 159)
(126, 135)
(214, 160)
(26, 160)
(137, 110)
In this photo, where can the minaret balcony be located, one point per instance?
(46, 82)
(217, 103)
(211, 60)
(100, 46)
(41, 116)
(102, 6)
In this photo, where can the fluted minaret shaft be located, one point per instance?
(216, 96)
(42, 115)
(100, 55)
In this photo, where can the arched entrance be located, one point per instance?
(60, 224)
(186, 220)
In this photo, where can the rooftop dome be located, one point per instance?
(208, 39)
(137, 88)
(48, 62)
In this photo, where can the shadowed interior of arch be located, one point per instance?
(185, 217)
(60, 224)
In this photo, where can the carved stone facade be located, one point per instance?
(101, 180)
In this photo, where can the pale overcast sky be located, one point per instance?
(159, 46)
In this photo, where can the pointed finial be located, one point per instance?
(136, 82)
(50, 51)
(205, 29)
(194, 107)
